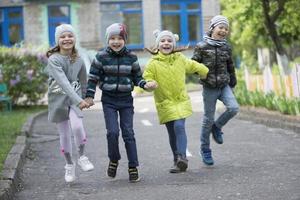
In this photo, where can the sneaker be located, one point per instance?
(70, 173)
(112, 169)
(85, 164)
(217, 134)
(133, 175)
(182, 164)
(206, 157)
(174, 169)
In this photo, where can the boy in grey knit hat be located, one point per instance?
(117, 71)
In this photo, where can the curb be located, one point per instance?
(10, 181)
(269, 118)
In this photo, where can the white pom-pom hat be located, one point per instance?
(159, 34)
(59, 30)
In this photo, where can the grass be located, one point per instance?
(10, 127)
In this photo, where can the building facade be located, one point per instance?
(34, 21)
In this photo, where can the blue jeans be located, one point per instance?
(124, 108)
(177, 137)
(210, 97)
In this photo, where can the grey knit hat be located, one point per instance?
(159, 34)
(216, 20)
(61, 29)
(116, 29)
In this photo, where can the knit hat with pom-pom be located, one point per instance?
(61, 29)
(159, 34)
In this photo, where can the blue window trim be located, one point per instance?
(9, 21)
(129, 11)
(52, 21)
(183, 12)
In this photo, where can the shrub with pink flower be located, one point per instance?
(22, 69)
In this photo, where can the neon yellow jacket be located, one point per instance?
(169, 71)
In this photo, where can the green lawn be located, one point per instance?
(10, 127)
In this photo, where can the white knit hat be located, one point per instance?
(159, 34)
(61, 29)
(216, 20)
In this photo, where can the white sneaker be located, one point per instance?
(85, 164)
(70, 173)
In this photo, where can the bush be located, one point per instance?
(22, 70)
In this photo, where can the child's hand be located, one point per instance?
(151, 85)
(83, 104)
(90, 101)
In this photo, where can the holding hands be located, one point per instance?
(86, 103)
(90, 101)
(83, 104)
(151, 85)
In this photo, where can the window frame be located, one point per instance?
(53, 21)
(183, 12)
(123, 10)
(7, 21)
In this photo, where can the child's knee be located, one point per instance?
(233, 110)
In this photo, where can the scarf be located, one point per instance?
(214, 42)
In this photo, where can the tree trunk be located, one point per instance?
(270, 20)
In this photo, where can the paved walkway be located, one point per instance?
(254, 163)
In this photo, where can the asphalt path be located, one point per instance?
(254, 163)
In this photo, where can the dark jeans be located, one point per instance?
(113, 107)
(177, 137)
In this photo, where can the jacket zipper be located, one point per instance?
(118, 75)
(216, 73)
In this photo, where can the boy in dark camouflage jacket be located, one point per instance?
(215, 53)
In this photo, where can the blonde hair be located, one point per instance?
(56, 49)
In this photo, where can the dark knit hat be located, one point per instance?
(216, 20)
(116, 29)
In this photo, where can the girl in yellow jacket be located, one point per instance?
(168, 68)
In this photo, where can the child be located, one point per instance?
(117, 70)
(168, 67)
(215, 53)
(67, 83)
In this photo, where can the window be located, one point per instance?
(57, 14)
(11, 26)
(128, 13)
(183, 18)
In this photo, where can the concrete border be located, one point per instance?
(10, 181)
(269, 118)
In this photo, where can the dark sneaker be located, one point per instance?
(206, 157)
(217, 134)
(174, 169)
(182, 164)
(112, 169)
(133, 175)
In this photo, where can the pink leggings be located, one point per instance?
(72, 126)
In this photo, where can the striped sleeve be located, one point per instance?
(137, 75)
(95, 73)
